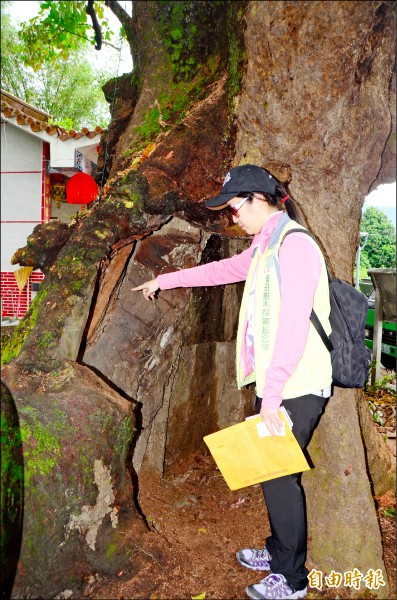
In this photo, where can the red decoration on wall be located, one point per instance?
(81, 189)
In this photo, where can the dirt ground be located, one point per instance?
(196, 525)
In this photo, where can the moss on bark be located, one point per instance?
(75, 481)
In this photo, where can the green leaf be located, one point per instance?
(380, 249)
(58, 24)
(52, 74)
(176, 34)
(175, 56)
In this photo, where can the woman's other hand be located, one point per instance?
(272, 419)
(149, 288)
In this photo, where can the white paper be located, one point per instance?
(264, 432)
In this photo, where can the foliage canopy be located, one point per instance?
(58, 29)
(69, 89)
(380, 249)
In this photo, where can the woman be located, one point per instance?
(277, 347)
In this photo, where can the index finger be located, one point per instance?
(139, 287)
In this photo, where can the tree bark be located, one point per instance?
(77, 436)
(380, 461)
(304, 89)
(310, 74)
(157, 347)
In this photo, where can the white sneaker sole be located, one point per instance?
(253, 568)
(254, 595)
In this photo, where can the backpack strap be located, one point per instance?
(313, 316)
(321, 331)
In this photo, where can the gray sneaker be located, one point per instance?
(258, 560)
(274, 587)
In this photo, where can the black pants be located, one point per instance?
(285, 498)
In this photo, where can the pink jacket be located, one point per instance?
(300, 269)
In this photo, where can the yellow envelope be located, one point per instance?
(244, 458)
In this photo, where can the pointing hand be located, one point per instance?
(149, 288)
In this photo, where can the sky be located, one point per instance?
(383, 197)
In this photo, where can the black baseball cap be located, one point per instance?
(246, 178)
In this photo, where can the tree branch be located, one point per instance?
(120, 13)
(90, 10)
(88, 39)
(126, 21)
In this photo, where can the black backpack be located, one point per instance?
(350, 358)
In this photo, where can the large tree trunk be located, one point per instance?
(315, 106)
(322, 65)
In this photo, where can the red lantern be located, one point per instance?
(81, 189)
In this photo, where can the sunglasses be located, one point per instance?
(237, 206)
